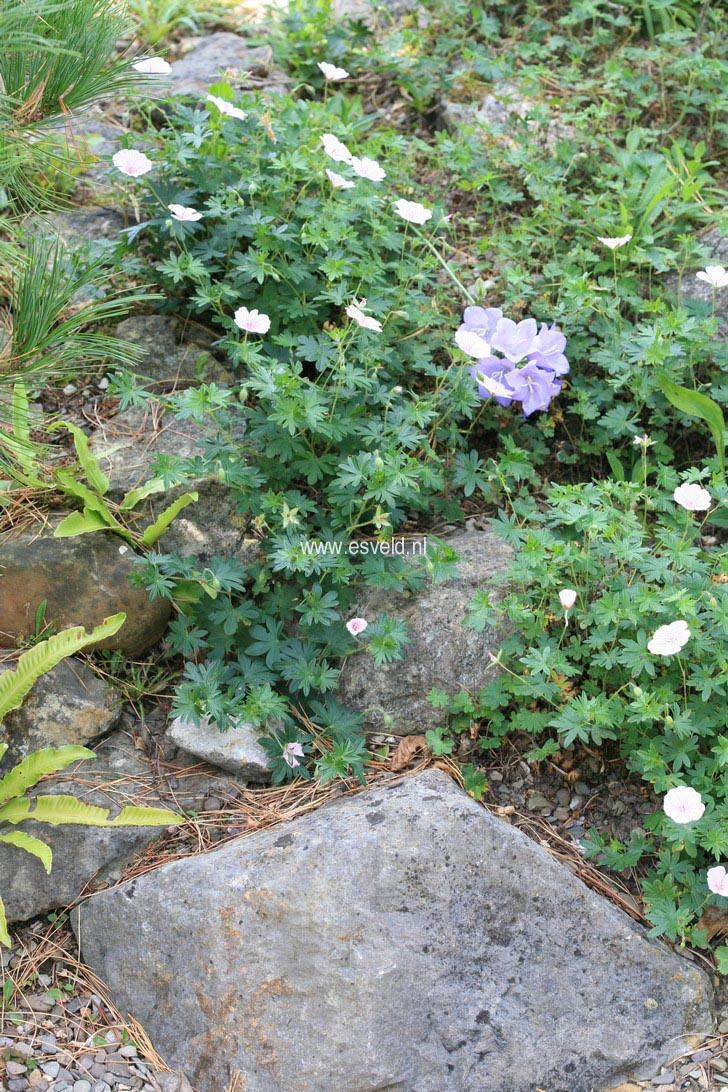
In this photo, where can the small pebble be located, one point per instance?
(70, 389)
(50, 1069)
(212, 804)
(16, 1069)
(82, 1086)
(130, 1051)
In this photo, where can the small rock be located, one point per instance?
(82, 1086)
(172, 352)
(15, 1069)
(221, 53)
(537, 802)
(236, 750)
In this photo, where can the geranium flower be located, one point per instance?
(356, 626)
(693, 497)
(226, 107)
(472, 343)
(253, 322)
(547, 350)
(412, 211)
(368, 168)
(291, 753)
(153, 66)
(567, 598)
(514, 339)
(338, 180)
(614, 243)
(642, 441)
(131, 162)
(490, 374)
(336, 149)
(532, 387)
(184, 213)
(669, 640)
(482, 320)
(718, 880)
(331, 72)
(683, 804)
(365, 321)
(715, 275)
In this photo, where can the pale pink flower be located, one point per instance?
(331, 72)
(335, 149)
(365, 321)
(338, 180)
(683, 804)
(227, 108)
(473, 344)
(356, 626)
(642, 441)
(412, 211)
(693, 497)
(131, 162)
(567, 598)
(184, 213)
(291, 753)
(368, 168)
(614, 243)
(493, 386)
(253, 322)
(718, 880)
(153, 66)
(669, 640)
(714, 275)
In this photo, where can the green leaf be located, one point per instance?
(15, 684)
(721, 955)
(63, 810)
(29, 772)
(160, 525)
(615, 465)
(31, 845)
(132, 498)
(698, 405)
(4, 934)
(96, 479)
(80, 523)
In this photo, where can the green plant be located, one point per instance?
(157, 20)
(15, 806)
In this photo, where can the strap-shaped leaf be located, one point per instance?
(91, 500)
(62, 810)
(132, 498)
(80, 523)
(29, 772)
(31, 845)
(161, 524)
(96, 478)
(14, 685)
(4, 934)
(695, 404)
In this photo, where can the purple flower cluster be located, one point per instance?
(531, 364)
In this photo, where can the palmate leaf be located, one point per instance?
(29, 772)
(14, 685)
(67, 810)
(31, 845)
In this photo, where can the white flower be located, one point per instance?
(567, 598)
(131, 162)
(338, 181)
(683, 804)
(335, 149)
(184, 213)
(368, 168)
(642, 441)
(331, 72)
(226, 107)
(614, 243)
(356, 626)
(253, 322)
(472, 344)
(693, 497)
(153, 66)
(498, 390)
(715, 275)
(365, 321)
(718, 880)
(669, 640)
(413, 211)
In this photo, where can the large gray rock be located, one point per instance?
(118, 776)
(70, 704)
(400, 939)
(217, 57)
(83, 580)
(497, 114)
(76, 227)
(688, 287)
(443, 652)
(172, 353)
(236, 750)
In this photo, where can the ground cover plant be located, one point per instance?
(441, 319)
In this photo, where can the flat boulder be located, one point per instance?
(83, 580)
(217, 57)
(443, 652)
(401, 938)
(237, 750)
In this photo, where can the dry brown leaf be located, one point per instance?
(714, 920)
(407, 748)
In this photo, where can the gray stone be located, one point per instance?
(83, 580)
(74, 227)
(688, 287)
(402, 938)
(442, 653)
(117, 777)
(497, 112)
(172, 353)
(70, 704)
(236, 750)
(217, 57)
(126, 447)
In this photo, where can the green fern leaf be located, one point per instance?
(29, 772)
(30, 845)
